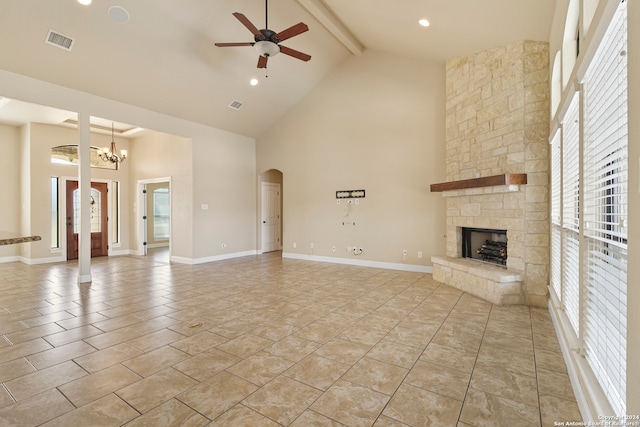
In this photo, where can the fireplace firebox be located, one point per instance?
(485, 244)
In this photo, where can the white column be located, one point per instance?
(84, 186)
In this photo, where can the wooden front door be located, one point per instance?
(99, 225)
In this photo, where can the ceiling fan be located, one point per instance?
(267, 42)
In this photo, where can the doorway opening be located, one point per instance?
(271, 211)
(154, 216)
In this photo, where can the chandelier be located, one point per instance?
(111, 154)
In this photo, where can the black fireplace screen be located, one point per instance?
(485, 244)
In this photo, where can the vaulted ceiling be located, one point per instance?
(164, 58)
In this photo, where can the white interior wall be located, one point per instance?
(9, 194)
(224, 181)
(159, 155)
(376, 123)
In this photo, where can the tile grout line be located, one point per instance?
(9, 393)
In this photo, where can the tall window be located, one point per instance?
(115, 209)
(605, 164)
(161, 217)
(68, 155)
(55, 213)
(556, 214)
(571, 213)
(593, 242)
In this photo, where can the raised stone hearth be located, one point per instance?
(497, 127)
(492, 283)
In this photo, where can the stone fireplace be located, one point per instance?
(497, 161)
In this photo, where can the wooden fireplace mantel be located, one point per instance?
(487, 181)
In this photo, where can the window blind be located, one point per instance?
(571, 213)
(556, 215)
(605, 177)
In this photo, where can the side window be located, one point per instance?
(55, 213)
(161, 213)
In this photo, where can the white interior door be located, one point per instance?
(270, 217)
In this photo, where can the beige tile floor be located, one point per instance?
(262, 341)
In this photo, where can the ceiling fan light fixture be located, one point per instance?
(266, 48)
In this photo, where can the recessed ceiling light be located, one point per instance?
(85, 2)
(118, 14)
(254, 82)
(424, 22)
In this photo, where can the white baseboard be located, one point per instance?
(589, 395)
(194, 261)
(122, 252)
(53, 259)
(361, 262)
(158, 245)
(36, 261)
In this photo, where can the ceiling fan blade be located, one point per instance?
(234, 44)
(245, 21)
(262, 61)
(294, 53)
(300, 27)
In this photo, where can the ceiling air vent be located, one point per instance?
(236, 105)
(54, 38)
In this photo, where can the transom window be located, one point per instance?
(68, 155)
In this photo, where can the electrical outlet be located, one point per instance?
(419, 254)
(295, 245)
(404, 252)
(311, 245)
(333, 248)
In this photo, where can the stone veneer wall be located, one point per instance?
(497, 122)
